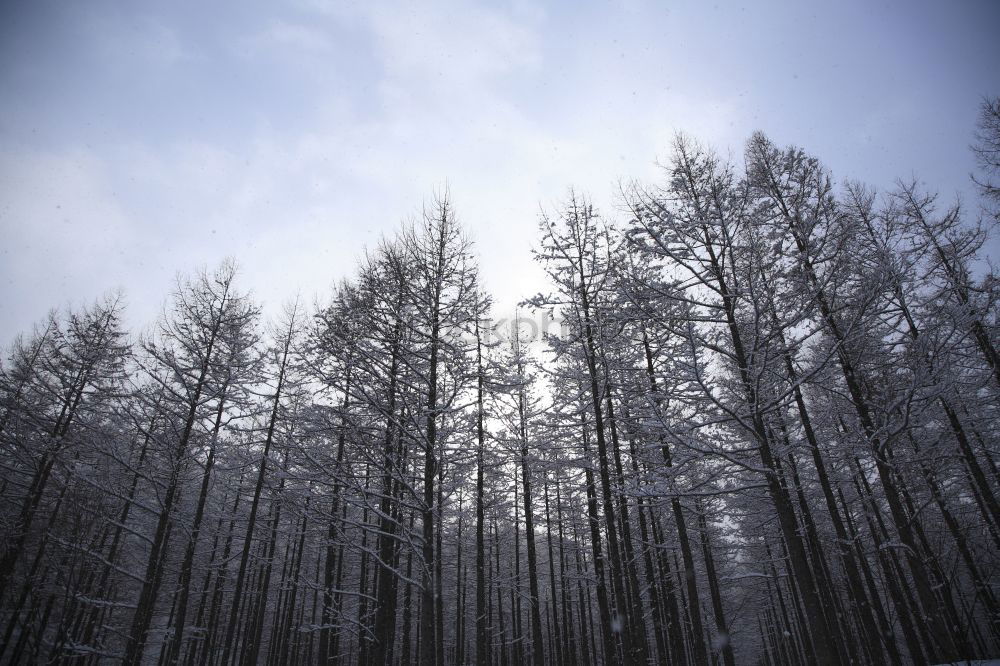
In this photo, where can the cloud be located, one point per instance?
(66, 238)
(283, 35)
(297, 204)
(315, 128)
(138, 40)
(446, 43)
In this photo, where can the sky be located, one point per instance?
(139, 140)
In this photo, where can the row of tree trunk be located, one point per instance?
(766, 432)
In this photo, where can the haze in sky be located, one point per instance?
(142, 139)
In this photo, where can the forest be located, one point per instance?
(762, 428)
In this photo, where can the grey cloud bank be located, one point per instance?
(143, 139)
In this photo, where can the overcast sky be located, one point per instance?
(142, 139)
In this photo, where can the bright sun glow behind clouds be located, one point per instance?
(144, 139)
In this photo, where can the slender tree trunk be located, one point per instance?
(255, 504)
(680, 522)
(428, 633)
(636, 611)
(136, 643)
(386, 592)
(617, 574)
(557, 644)
(608, 641)
(502, 632)
(174, 649)
(537, 645)
(333, 528)
(254, 635)
(482, 617)
(723, 639)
